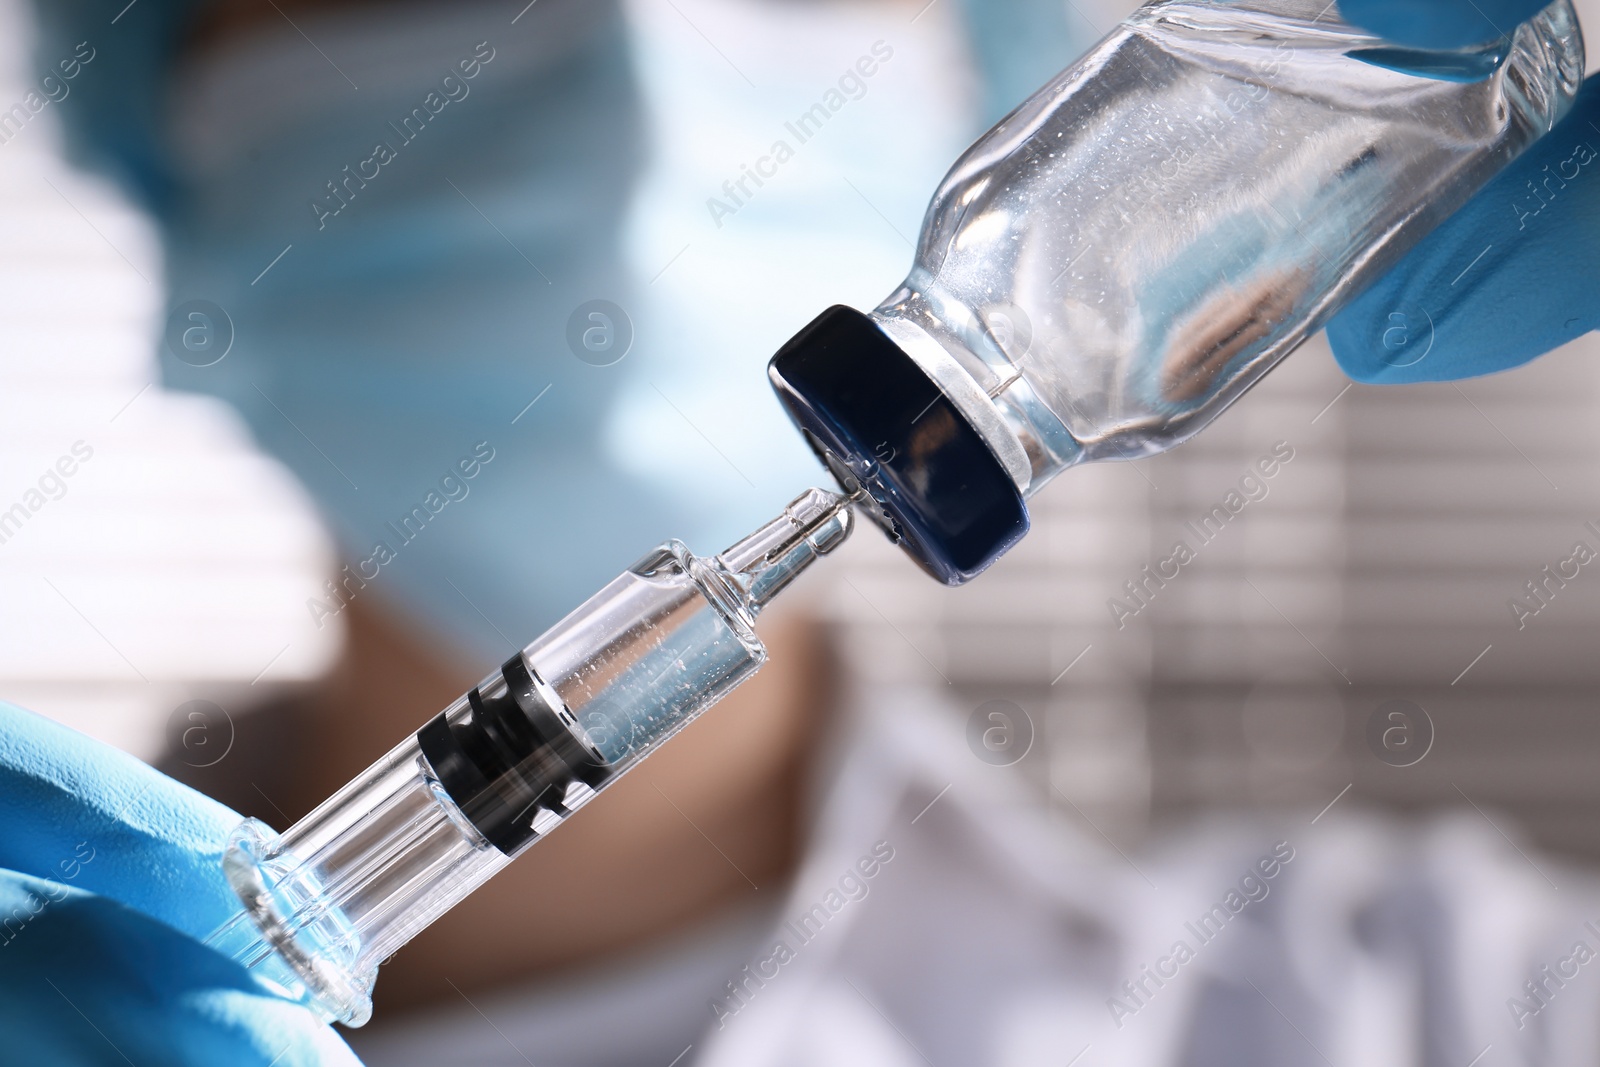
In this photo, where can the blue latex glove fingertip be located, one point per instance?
(1513, 274)
(87, 980)
(77, 811)
(1439, 23)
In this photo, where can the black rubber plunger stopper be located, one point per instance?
(508, 757)
(866, 406)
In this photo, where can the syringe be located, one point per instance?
(339, 892)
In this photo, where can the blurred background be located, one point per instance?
(175, 564)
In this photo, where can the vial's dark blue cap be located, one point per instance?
(873, 415)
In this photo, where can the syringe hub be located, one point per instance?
(767, 561)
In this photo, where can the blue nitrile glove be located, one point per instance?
(1514, 273)
(109, 877)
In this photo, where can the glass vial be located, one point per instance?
(1117, 261)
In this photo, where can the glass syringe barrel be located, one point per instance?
(344, 888)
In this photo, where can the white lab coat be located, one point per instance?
(993, 933)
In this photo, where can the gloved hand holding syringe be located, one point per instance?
(338, 893)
